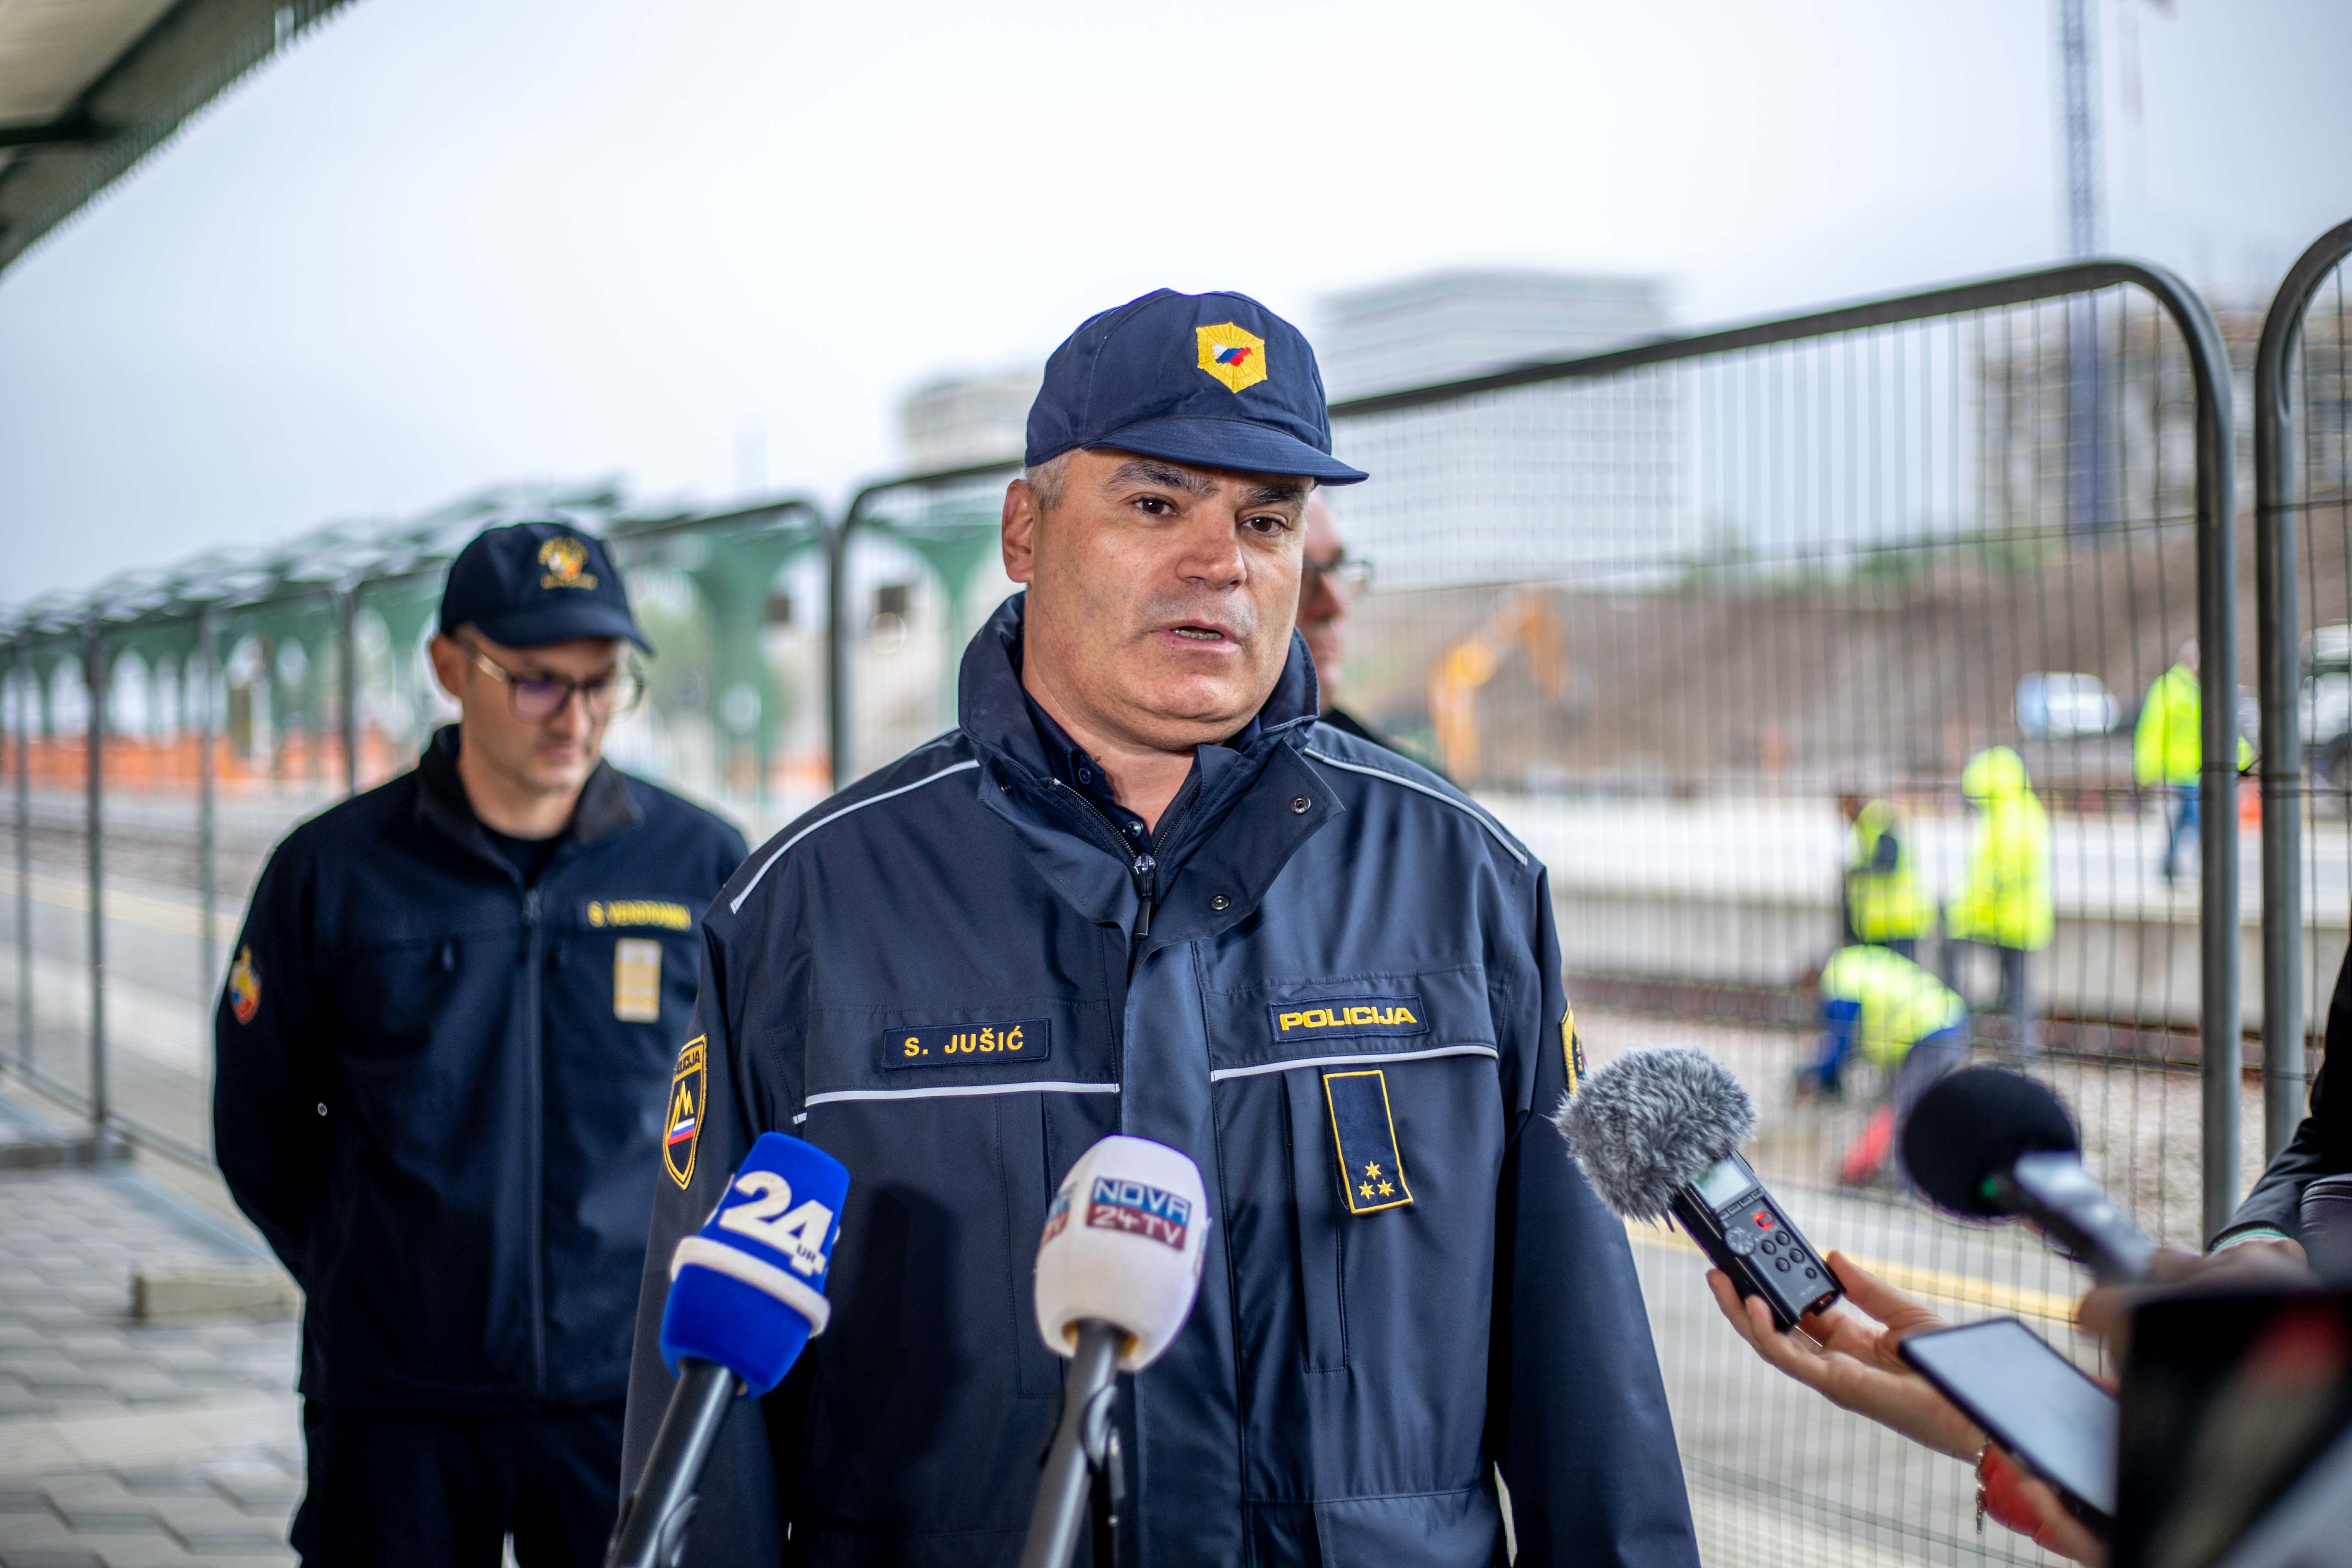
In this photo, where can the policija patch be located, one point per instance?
(1363, 1130)
(1340, 1017)
(689, 1089)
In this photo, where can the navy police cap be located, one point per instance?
(526, 585)
(1215, 380)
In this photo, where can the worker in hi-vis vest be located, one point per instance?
(2004, 902)
(1905, 1022)
(2169, 747)
(1884, 902)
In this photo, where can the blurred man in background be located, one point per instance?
(2169, 750)
(444, 1075)
(2004, 903)
(1885, 905)
(1330, 581)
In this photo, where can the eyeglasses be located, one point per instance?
(1352, 578)
(535, 699)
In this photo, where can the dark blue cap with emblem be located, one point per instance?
(526, 585)
(1216, 379)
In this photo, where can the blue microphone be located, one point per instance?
(746, 1295)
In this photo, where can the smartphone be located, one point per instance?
(2035, 1403)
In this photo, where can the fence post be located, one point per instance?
(94, 729)
(2220, 1023)
(207, 827)
(836, 651)
(2278, 639)
(25, 711)
(347, 613)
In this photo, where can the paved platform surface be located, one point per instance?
(122, 1444)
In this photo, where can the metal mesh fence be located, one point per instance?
(1665, 615)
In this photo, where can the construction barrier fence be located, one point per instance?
(1709, 623)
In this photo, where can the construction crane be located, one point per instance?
(1523, 617)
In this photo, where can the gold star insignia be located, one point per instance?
(1387, 1191)
(1366, 1189)
(1372, 1168)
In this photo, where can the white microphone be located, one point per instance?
(1117, 1268)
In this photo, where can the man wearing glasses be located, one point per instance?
(445, 1078)
(1329, 581)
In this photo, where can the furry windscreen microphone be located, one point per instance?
(1650, 1121)
(1657, 1134)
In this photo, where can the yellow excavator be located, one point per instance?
(1523, 617)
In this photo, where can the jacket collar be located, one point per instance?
(1231, 844)
(605, 806)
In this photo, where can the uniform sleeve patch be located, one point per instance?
(689, 1089)
(1571, 1050)
(1340, 1017)
(243, 987)
(967, 1045)
(1363, 1130)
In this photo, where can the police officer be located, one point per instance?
(1183, 910)
(443, 1051)
(1329, 581)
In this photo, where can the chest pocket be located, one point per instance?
(1370, 1102)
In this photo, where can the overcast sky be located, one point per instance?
(443, 243)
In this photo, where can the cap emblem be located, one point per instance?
(1234, 356)
(566, 559)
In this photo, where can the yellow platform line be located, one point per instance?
(1934, 1285)
(133, 908)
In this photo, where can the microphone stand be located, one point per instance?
(1084, 1446)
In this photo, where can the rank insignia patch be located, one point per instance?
(688, 1096)
(1363, 1130)
(1234, 356)
(243, 987)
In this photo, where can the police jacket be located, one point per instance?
(440, 1092)
(2322, 1145)
(1341, 958)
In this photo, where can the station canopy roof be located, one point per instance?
(88, 88)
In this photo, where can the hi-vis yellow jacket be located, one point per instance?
(1883, 895)
(2167, 748)
(1900, 1003)
(2006, 898)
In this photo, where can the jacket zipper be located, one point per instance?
(536, 1070)
(1140, 867)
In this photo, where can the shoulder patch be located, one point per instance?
(243, 987)
(1571, 1050)
(690, 1089)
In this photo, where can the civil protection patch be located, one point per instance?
(689, 1093)
(1363, 1130)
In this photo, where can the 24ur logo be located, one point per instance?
(1234, 356)
(566, 559)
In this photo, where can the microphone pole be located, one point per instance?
(654, 1519)
(1080, 1443)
